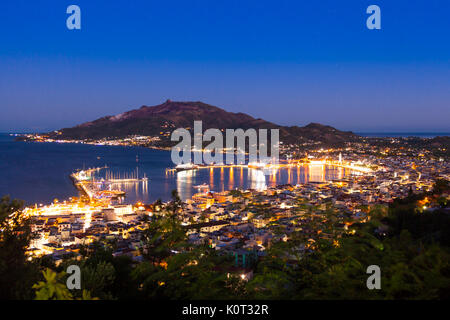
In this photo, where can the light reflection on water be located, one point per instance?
(39, 172)
(221, 179)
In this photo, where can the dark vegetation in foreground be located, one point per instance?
(411, 246)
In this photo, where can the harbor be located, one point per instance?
(104, 189)
(49, 178)
(270, 167)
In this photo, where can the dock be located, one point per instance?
(290, 164)
(85, 182)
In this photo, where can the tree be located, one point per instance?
(191, 274)
(104, 275)
(17, 274)
(53, 289)
(165, 232)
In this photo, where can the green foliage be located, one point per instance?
(103, 275)
(441, 186)
(53, 289)
(414, 258)
(411, 246)
(16, 273)
(188, 275)
(98, 278)
(175, 268)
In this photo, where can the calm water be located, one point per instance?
(39, 172)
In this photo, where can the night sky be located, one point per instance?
(289, 62)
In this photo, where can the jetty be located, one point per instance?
(85, 181)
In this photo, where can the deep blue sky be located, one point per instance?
(290, 62)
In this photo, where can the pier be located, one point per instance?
(85, 181)
(173, 170)
(133, 177)
(290, 164)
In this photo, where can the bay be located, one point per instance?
(39, 172)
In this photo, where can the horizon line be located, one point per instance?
(354, 131)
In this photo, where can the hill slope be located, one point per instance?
(162, 119)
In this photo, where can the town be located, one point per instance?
(244, 223)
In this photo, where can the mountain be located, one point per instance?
(322, 133)
(162, 119)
